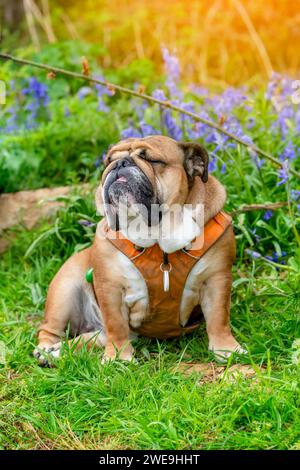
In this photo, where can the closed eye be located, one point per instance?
(143, 155)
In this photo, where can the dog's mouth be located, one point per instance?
(121, 179)
(126, 185)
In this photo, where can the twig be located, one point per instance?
(259, 207)
(150, 99)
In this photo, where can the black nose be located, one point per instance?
(123, 163)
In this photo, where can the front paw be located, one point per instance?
(125, 353)
(224, 348)
(47, 354)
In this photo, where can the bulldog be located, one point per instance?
(153, 273)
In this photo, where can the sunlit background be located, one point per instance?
(218, 42)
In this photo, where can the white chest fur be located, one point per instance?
(136, 294)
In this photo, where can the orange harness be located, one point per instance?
(163, 318)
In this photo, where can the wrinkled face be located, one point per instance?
(146, 171)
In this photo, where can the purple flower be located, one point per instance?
(199, 129)
(288, 153)
(190, 107)
(172, 127)
(12, 120)
(37, 100)
(285, 116)
(223, 168)
(37, 91)
(212, 165)
(268, 215)
(283, 173)
(159, 95)
(198, 90)
(171, 63)
(218, 139)
(172, 69)
(279, 89)
(253, 254)
(147, 129)
(276, 258)
(86, 223)
(101, 92)
(130, 132)
(224, 104)
(102, 106)
(295, 194)
(258, 161)
(83, 92)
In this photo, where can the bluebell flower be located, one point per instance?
(224, 104)
(172, 68)
(83, 92)
(289, 152)
(130, 132)
(268, 215)
(283, 173)
(199, 90)
(276, 258)
(102, 106)
(37, 91)
(250, 123)
(217, 138)
(172, 127)
(295, 194)
(283, 122)
(102, 91)
(212, 165)
(159, 95)
(12, 120)
(253, 254)
(86, 223)
(171, 63)
(147, 129)
(259, 162)
(223, 168)
(190, 107)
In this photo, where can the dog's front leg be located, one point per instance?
(116, 325)
(215, 305)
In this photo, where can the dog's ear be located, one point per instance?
(195, 160)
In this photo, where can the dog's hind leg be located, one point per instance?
(71, 306)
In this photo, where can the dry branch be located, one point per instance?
(150, 99)
(259, 207)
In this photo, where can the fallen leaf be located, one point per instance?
(210, 372)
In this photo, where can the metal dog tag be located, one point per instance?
(166, 281)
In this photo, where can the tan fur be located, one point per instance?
(209, 285)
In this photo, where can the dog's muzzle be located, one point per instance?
(126, 183)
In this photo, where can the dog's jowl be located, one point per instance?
(161, 257)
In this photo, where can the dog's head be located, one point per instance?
(143, 172)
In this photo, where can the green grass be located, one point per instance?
(150, 405)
